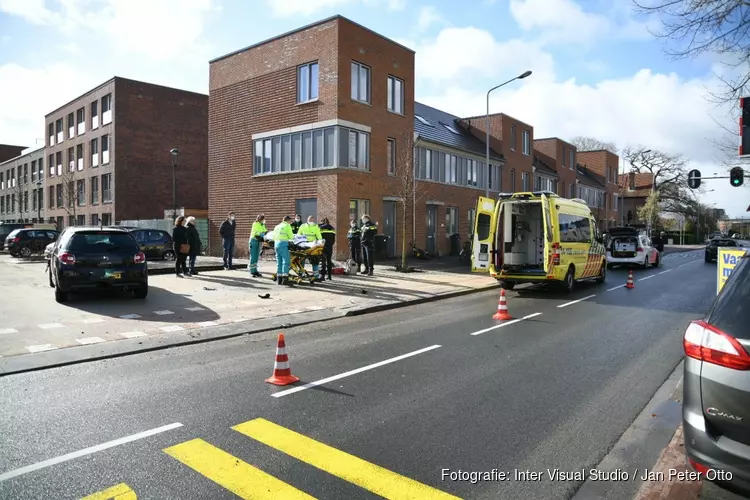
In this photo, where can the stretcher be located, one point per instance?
(298, 254)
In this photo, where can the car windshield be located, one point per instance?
(730, 313)
(14, 233)
(102, 241)
(723, 243)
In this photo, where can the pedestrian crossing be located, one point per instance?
(249, 482)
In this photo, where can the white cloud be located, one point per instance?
(32, 11)
(428, 15)
(289, 8)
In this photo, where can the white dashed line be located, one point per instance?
(40, 348)
(511, 322)
(133, 335)
(647, 277)
(204, 324)
(615, 288)
(194, 309)
(165, 312)
(5, 331)
(294, 311)
(50, 326)
(91, 321)
(315, 308)
(576, 301)
(239, 320)
(130, 316)
(90, 340)
(171, 328)
(665, 271)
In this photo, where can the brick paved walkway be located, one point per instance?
(672, 457)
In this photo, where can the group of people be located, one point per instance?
(187, 245)
(361, 240)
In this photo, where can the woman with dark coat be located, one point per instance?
(194, 240)
(180, 238)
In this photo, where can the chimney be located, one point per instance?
(631, 181)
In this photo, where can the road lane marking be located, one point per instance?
(315, 308)
(233, 474)
(50, 326)
(646, 278)
(204, 324)
(294, 311)
(352, 372)
(164, 312)
(615, 288)
(171, 328)
(511, 322)
(688, 263)
(119, 492)
(665, 271)
(133, 335)
(5, 331)
(194, 309)
(92, 321)
(366, 475)
(576, 301)
(130, 316)
(40, 348)
(86, 451)
(90, 340)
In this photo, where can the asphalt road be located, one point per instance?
(554, 391)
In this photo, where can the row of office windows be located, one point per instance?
(23, 202)
(327, 147)
(76, 122)
(22, 174)
(525, 140)
(459, 170)
(73, 193)
(75, 156)
(308, 81)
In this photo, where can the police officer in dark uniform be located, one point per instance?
(296, 223)
(329, 235)
(369, 230)
(355, 244)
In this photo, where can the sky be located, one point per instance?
(597, 69)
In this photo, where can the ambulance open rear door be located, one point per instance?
(485, 226)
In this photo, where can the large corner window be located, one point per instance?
(307, 82)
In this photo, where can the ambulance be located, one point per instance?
(537, 237)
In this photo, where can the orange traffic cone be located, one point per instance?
(502, 308)
(630, 283)
(282, 372)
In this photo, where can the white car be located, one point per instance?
(628, 246)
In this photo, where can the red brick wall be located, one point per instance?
(599, 161)
(559, 150)
(150, 120)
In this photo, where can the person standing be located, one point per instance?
(181, 246)
(227, 230)
(282, 235)
(194, 240)
(329, 235)
(257, 233)
(311, 231)
(369, 230)
(355, 244)
(297, 223)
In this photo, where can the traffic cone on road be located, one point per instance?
(630, 283)
(282, 372)
(502, 308)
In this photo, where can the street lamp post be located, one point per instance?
(175, 154)
(39, 201)
(487, 125)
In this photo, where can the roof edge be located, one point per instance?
(494, 155)
(94, 89)
(22, 155)
(497, 114)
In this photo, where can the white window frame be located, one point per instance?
(105, 152)
(109, 190)
(79, 158)
(451, 221)
(81, 124)
(526, 135)
(71, 119)
(94, 152)
(391, 153)
(312, 83)
(394, 99)
(361, 207)
(106, 114)
(358, 70)
(94, 110)
(60, 131)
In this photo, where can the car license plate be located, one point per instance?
(483, 257)
(114, 276)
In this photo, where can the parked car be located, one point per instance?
(155, 243)
(8, 227)
(629, 246)
(712, 249)
(716, 391)
(96, 258)
(25, 242)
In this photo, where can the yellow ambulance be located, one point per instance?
(537, 237)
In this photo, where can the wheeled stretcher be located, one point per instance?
(301, 250)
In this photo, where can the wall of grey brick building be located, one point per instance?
(18, 188)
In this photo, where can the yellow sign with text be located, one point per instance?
(727, 260)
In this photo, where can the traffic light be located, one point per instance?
(744, 127)
(694, 179)
(736, 176)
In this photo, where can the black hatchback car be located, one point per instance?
(712, 248)
(95, 258)
(716, 386)
(25, 242)
(155, 243)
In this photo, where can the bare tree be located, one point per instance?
(17, 197)
(668, 174)
(70, 190)
(408, 190)
(707, 26)
(583, 143)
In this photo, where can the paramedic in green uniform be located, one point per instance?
(311, 231)
(257, 233)
(282, 235)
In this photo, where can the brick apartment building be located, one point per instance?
(635, 189)
(22, 188)
(561, 156)
(108, 153)
(591, 187)
(606, 164)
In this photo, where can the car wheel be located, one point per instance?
(656, 262)
(141, 292)
(507, 285)
(168, 255)
(570, 281)
(51, 283)
(602, 274)
(708, 259)
(60, 296)
(25, 252)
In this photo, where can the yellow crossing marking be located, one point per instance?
(369, 476)
(241, 478)
(119, 492)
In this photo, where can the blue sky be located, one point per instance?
(597, 69)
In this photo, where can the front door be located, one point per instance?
(389, 227)
(431, 229)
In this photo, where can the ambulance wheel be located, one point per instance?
(570, 280)
(507, 285)
(602, 274)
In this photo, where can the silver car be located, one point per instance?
(716, 401)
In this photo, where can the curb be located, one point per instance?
(121, 348)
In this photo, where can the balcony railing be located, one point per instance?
(106, 117)
(105, 157)
(81, 128)
(94, 121)
(95, 160)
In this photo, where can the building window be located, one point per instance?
(451, 221)
(2, 180)
(40, 169)
(81, 120)
(70, 193)
(360, 82)
(105, 149)
(95, 152)
(307, 82)
(51, 165)
(59, 162)
(51, 197)
(562, 160)
(525, 182)
(59, 195)
(526, 142)
(59, 222)
(81, 220)
(25, 173)
(572, 193)
(59, 130)
(303, 151)
(358, 208)
(94, 219)
(94, 190)
(71, 160)
(79, 156)
(51, 134)
(513, 138)
(25, 201)
(106, 188)
(94, 114)
(34, 172)
(395, 95)
(513, 180)
(106, 109)
(543, 183)
(572, 158)
(471, 173)
(71, 126)
(391, 156)
(81, 192)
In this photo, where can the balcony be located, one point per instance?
(60, 137)
(71, 131)
(105, 157)
(80, 163)
(94, 121)
(81, 128)
(52, 140)
(95, 160)
(106, 117)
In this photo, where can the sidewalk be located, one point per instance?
(671, 459)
